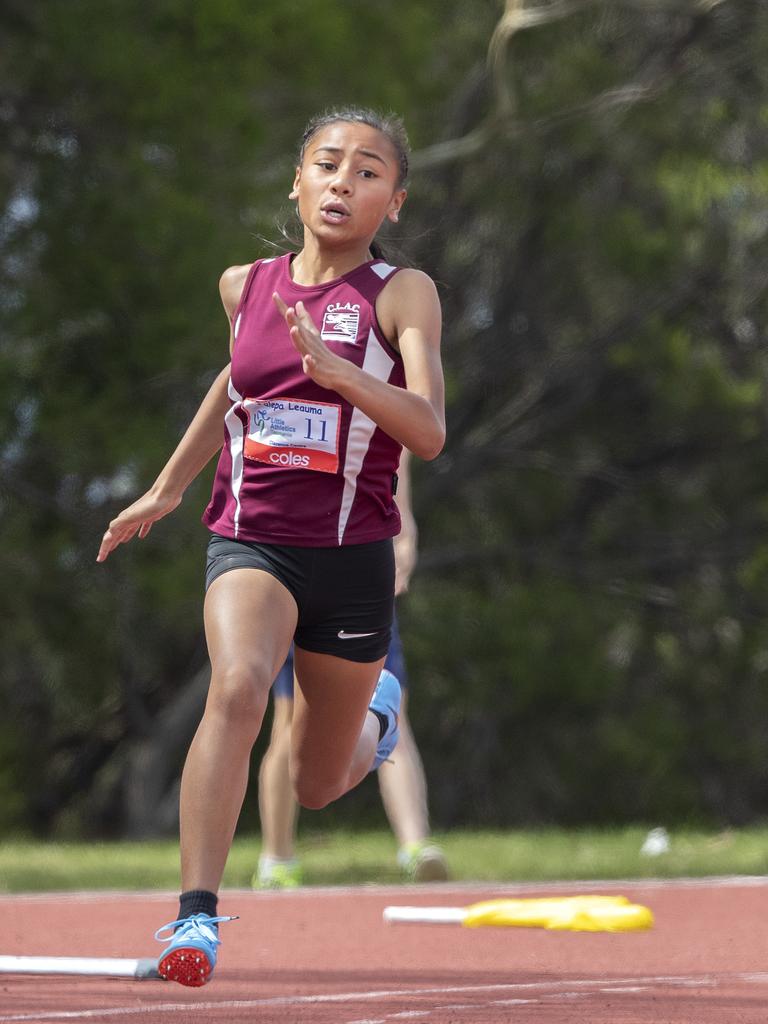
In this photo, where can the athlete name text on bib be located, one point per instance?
(293, 434)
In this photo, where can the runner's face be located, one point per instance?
(347, 183)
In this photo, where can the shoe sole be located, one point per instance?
(185, 965)
(391, 711)
(430, 869)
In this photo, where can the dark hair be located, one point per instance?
(388, 124)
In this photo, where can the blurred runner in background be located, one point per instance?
(401, 780)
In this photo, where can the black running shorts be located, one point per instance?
(345, 595)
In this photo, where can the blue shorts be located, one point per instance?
(283, 685)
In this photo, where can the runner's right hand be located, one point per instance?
(137, 518)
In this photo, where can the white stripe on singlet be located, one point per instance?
(383, 270)
(236, 438)
(361, 429)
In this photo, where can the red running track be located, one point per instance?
(325, 956)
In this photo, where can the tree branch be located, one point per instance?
(646, 86)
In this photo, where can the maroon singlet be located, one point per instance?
(301, 465)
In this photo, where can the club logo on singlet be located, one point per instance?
(340, 322)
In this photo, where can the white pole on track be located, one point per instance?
(589, 913)
(111, 967)
(425, 915)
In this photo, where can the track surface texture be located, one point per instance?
(325, 956)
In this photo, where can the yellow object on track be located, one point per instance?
(567, 913)
(558, 913)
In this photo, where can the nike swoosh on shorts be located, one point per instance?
(343, 635)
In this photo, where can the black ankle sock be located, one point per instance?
(197, 901)
(383, 722)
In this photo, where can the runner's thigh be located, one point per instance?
(250, 618)
(330, 705)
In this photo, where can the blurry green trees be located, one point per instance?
(586, 635)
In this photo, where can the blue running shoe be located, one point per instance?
(191, 953)
(386, 700)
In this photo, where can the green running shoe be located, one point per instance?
(277, 874)
(423, 862)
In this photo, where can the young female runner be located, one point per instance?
(335, 366)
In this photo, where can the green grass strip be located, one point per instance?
(343, 857)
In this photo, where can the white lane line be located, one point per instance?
(696, 983)
(547, 989)
(625, 988)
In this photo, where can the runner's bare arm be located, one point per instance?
(202, 439)
(231, 288)
(414, 415)
(406, 542)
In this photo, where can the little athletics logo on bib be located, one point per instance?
(291, 434)
(340, 322)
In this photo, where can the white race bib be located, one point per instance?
(293, 434)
